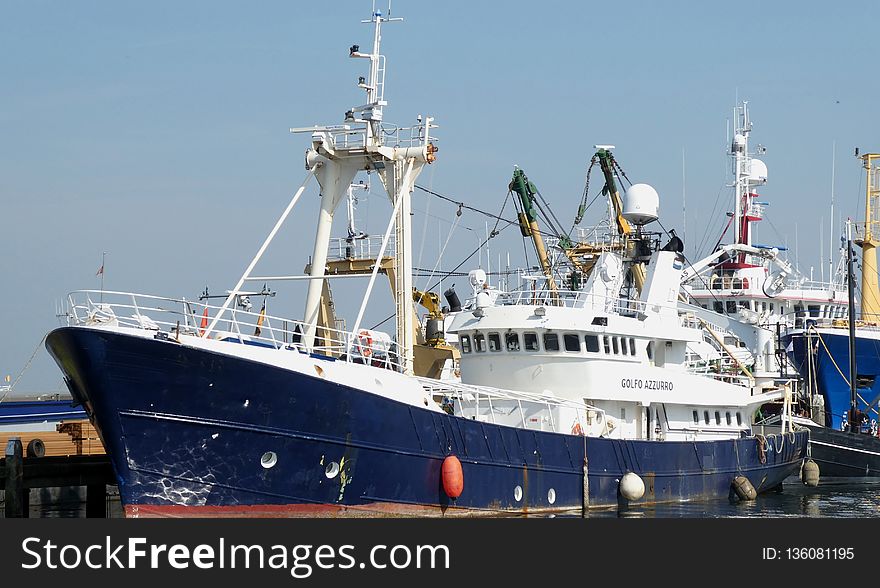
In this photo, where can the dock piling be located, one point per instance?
(16, 493)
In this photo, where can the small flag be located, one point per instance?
(260, 320)
(204, 324)
(100, 270)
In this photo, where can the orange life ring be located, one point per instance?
(576, 429)
(365, 343)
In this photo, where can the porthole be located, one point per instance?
(551, 496)
(268, 459)
(517, 493)
(332, 470)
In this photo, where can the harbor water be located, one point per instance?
(795, 501)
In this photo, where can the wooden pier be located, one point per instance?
(72, 455)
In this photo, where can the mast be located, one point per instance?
(337, 153)
(854, 427)
(748, 173)
(869, 240)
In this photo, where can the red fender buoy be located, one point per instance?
(452, 477)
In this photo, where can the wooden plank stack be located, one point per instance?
(70, 438)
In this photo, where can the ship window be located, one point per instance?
(479, 343)
(592, 342)
(746, 283)
(465, 344)
(771, 307)
(739, 419)
(814, 310)
(706, 416)
(731, 307)
(623, 348)
(717, 418)
(551, 342)
(737, 284)
(512, 341)
(799, 310)
(494, 342)
(572, 342)
(530, 341)
(616, 345)
(727, 414)
(606, 344)
(696, 417)
(650, 350)
(623, 413)
(632, 346)
(719, 307)
(745, 304)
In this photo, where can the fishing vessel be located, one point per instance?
(568, 399)
(840, 359)
(752, 284)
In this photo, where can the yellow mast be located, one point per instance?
(869, 241)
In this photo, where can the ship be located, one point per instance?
(839, 360)
(568, 399)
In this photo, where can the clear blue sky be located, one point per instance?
(158, 132)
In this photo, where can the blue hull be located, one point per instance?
(831, 369)
(17, 412)
(186, 430)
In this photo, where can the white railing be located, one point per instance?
(523, 409)
(176, 318)
(580, 299)
(346, 137)
(363, 248)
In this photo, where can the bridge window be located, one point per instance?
(696, 417)
(572, 342)
(511, 340)
(739, 420)
(479, 343)
(717, 418)
(530, 341)
(465, 344)
(592, 342)
(616, 345)
(706, 416)
(719, 307)
(814, 310)
(650, 350)
(606, 344)
(731, 307)
(727, 414)
(551, 342)
(623, 347)
(494, 342)
(632, 346)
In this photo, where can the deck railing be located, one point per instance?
(175, 318)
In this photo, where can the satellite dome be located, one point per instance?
(757, 172)
(641, 204)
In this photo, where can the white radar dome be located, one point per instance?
(757, 172)
(477, 278)
(641, 204)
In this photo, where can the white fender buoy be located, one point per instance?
(810, 473)
(744, 488)
(632, 487)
